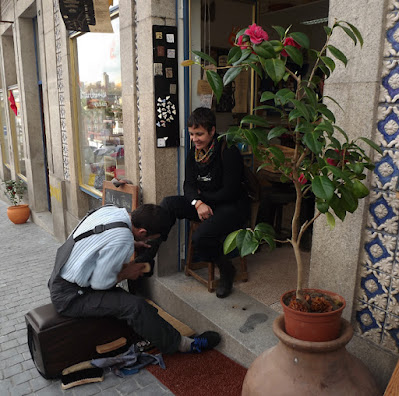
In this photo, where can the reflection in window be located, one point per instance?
(19, 133)
(5, 135)
(100, 111)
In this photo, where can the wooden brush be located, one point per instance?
(81, 373)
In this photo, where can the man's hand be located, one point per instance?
(133, 271)
(204, 211)
(141, 244)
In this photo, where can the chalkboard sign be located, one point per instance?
(125, 196)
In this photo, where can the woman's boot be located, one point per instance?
(227, 274)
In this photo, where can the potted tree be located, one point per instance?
(14, 190)
(324, 162)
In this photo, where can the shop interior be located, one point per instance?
(270, 273)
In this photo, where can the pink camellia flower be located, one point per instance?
(302, 179)
(289, 41)
(241, 44)
(256, 34)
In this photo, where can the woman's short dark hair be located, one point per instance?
(202, 116)
(152, 218)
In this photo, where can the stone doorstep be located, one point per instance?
(244, 323)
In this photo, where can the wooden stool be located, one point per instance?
(190, 267)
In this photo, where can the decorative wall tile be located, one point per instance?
(383, 212)
(377, 306)
(374, 286)
(387, 134)
(369, 321)
(386, 170)
(390, 336)
(378, 251)
(391, 47)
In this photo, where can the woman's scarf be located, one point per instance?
(203, 156)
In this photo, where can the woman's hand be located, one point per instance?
(204, 211)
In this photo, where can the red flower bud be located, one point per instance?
(302, 179)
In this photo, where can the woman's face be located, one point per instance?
(200, 137)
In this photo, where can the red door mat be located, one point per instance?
(204, 374)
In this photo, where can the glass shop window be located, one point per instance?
(5, 136)
(100, 116)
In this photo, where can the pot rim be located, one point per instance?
(17, 206)
(345, 336)
(317, 314)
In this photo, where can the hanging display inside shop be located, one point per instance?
(86, 15)
(165, 81)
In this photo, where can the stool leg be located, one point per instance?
(189, 253)
(211, 276)
(243, 265)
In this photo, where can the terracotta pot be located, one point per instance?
(295, 367)
(18, 214)
(308, 326)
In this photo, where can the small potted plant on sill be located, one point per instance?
(14, 190)
(324, 162)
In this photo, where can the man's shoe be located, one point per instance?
(205, 341)
(226, 282)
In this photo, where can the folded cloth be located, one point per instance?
(133, 358)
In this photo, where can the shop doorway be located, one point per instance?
(212, 32)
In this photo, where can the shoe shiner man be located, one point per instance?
(214, 196)
(96, 256)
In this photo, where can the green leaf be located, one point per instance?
(311, 95)
(357, 33)
(349, 33)
(295, 113)
(234, 55)
(372, 144)
(205, 57)
(311, 141)
(240, 33)
(230, 242)
(325, 125)
(328, 30)
(295, 54)
(261, 135)
(276, 132)
(284, 95)
(349, 200)
(328, 62)
(277, 153)
(265, 229)
(249, 244)
(326, 112)
(257, 69)
(302, 108)
(280, 30)
(267, 107)
(357, 167)
(254, 119)
(277, 45)
(336, 205)
(264, 49)
(251, 137)
(244, 55)
(325, 70)
(301, 38)
(322, 187)
(359, 189)
(231, 74)
(330, 220)
(338, 173)
(333, 100)
(216, 83)
(275, 68)
(338, 54)
(322, 206)
(342, 131)
(267, 95)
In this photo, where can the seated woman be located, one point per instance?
(213, 195)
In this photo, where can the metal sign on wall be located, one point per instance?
(164, 40)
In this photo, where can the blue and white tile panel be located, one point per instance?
(377, 302)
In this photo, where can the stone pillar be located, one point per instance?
(335, 253)
(158, 167)
(31, 114)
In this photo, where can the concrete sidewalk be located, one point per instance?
(27, 255)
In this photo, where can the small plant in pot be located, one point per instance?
(323, 161)
(14, 190)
